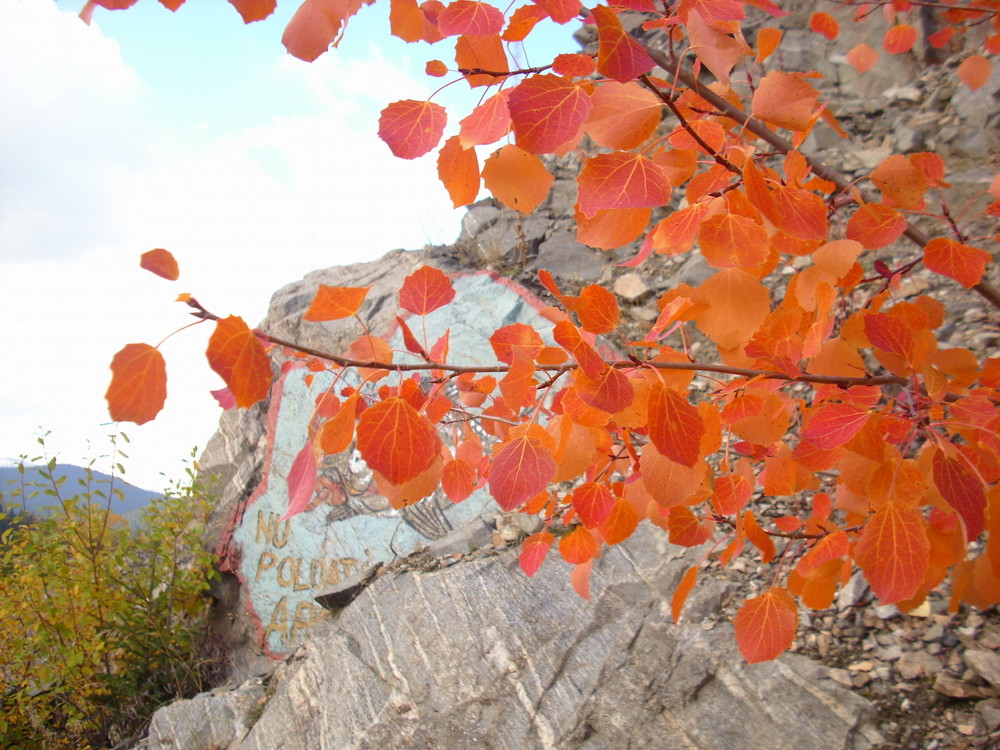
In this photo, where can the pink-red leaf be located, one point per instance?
(522, 468)
(412, 128)
(470, 17)
(831, 425)
(593, 503)
(160, 262)
(301, 481)
(546, 112)
(962, 490)
(138, 384)
(425, 290)
(621, 180)
(533, 551)
(619, 55)
(487, 123)
(765, 625)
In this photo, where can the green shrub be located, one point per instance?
(100, 623)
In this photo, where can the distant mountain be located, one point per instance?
(132, 498)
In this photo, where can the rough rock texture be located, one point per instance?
(477, 655)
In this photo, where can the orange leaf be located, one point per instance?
(964, 263)
(516, 178)
(619, 55)
(425, 290)
(675, 234)
(253, 10)
(900, 181)
(580, 578)
(568, 336)
(715, 48)
(610, 391)
(621, 522)
(876, 225)
(316, 25)
(336, 302)
(675, 426)
(765, 625)
(487, 123)
(406, 20)
(680, 594)
(411, 128)
(237, 355)
(893, 552)
(613, 228)
(338, 431)
(518, 385)
(862, 57)
(974, 71)
(515, 336)
(301, 481)
(484, 53)
(785, 101)
(522, 21)
(458, 480)
(739, 305)
(396, 441)
(546, 112)
(413, 490)
(470, 17)
(685, 528)
(621, 180)
(728, 240)
(825, 24)
(962, 490)
(160, 262)
(899, 39)
(831, 425)
(138, 384)
(768, 40)
(533, 551)
(574, 65)
(578, 546)
(623, 116)
(598, 309)
(561, 11)
(758, 537)
(436, 68)
(593, 503)
(521, 469)
(889, 334)
(800, 213)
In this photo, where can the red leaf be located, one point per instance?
(831, 425)
(621, 180)
(610, 391)
(470, 17)
(396, 441)
(619, 55)
(411, 128)
(138, 384)
(316, 25)
(964, 263)
(547, 111)
(974, 71)
(237, 355)
(515, 336)
(522, 468)
(574, 65)
(962, 490)
(533, 551)
(160, 262)
(578, 546)
(458, 480)
(593, 503)
(893, 552)
(675, 426)
(568, 337)
(301, 481)
(487, 123)
(680, 595)
(765, 625)
(561, 11)
(889, 334)
(728, 240)
(458, 170)
(335, 302)
(425, 290)
(899, 39)
(409, 340)
(875, 225)
(254, 10)
(224, 397)
(522, 21)
(825, 24)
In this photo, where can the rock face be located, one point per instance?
(477, 655)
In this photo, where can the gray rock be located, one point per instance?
(478, 655)
(986, 664)
(210, 721)
(564, 257)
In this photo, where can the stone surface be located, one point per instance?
(477, 655)
(211, 721)
(986, 664)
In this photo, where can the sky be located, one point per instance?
(192, 132)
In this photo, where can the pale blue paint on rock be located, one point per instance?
(348, 527)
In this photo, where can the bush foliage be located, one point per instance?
(100, 623)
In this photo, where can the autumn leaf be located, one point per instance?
(862, 57)
(138, 384)
(685, 528)
(517, 179)
(237, 355)
(301, 481)
(411, 128)
(160, 262)
(609, 391)
(831, 425)
(619, 55)
(507, 338)
(574, 65)
(962, 490)
(765, 625)
(578, 546)
(522, 21)
(623, 115)
(899, 39)
(876, 225)
(963, 263)
(396, 441)
(425, 290)
(680, 594)
(825, 24)
(335, 302)
(728, 240)
(783, 100)
(758, 537)
(889, 334)
(338, 431)
(469, 17)
(974, 71)
(546, 112)
(482, 53)
(598, 309)
(739, 305)
(487, 123)
(406, 20)
(900, 181)
(893, 552)
(254, 10)
(561, 11)
(458, 480)
(716, 49)
(533, 551)
(593, 503)
(621, 180)
(579, 578)
(620, 523)
(521, 469)
(675, 426)
(316, 25)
